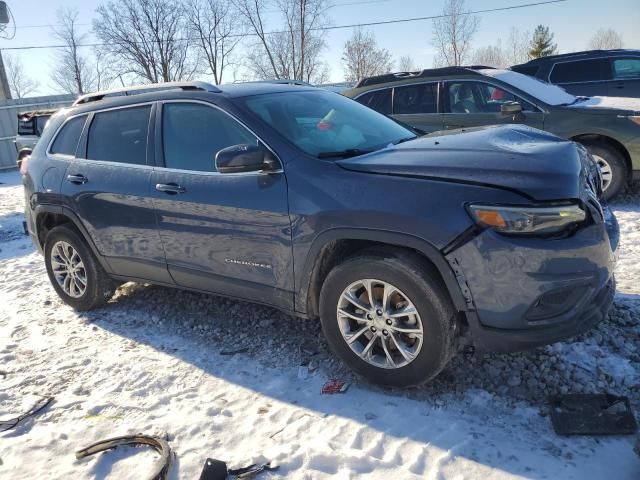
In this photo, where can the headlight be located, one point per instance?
(527, 220)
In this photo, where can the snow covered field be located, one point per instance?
(159, 361)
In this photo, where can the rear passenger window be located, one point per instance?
(120, 135)
(192, 134)
(380, 100)
(66, 141)
(626, 68)
(580, 71)
(419, 98)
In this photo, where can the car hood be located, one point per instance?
(512, 157)
(608, 105)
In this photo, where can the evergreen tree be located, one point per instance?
(542, 43)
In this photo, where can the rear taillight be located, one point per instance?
(24, 164)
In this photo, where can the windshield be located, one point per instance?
(543, 91)
(327, 125)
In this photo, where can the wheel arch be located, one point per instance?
(611, 142)
(48, 217)
(332, 246)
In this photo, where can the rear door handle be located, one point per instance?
(78, 179)
(170, 188)
(451, 126)
(619, 86)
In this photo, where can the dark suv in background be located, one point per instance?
(458, 97)
(307, 201)
(606, 73)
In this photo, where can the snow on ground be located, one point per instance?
(153, 361)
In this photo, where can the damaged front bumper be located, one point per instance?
(527, 292)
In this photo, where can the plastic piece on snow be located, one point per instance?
(592, 414)
(334, 386)
(217, 470)
(12, 422)
(160, 467)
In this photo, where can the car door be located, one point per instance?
(417, 105)
(588, 77)
(108, 187)
(223, 233)
(471, 103)
(626, 77)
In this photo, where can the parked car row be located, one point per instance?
(459, 97)
(405, 246)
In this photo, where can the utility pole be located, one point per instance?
(5, 91)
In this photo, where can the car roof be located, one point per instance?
(584, 54)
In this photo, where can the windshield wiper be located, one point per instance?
(349, 152)
(402, 140)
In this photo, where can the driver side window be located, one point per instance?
(193, 133)
(480, 97)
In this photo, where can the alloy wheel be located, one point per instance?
(605, 170)
(68, 269)
(380, 323)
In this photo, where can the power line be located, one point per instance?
(331, 27)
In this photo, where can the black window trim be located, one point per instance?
(55, 136)
(160, 148)
(609, 62)
(494, 85)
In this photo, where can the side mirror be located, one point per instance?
(243, 158)
(510, 108)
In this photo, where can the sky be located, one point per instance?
(573, 23)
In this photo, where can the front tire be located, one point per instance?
(388, 317)
(612, 166)
(77, 277)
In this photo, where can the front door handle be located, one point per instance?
(170, 188)
(619, 86)
(452, 126)
(78, 179)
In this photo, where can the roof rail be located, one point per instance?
(278, 81)
(432, 72)
(582, 53)
(138, 89)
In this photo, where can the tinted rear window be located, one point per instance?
(380, 100)
(419, 98)
(580, 71)
(120, 135)
(66, 141)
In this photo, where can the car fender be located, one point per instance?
(387, 237)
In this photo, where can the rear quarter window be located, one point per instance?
(66, 142)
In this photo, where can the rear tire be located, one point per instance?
(400, 361)
(613, 167)
(75, 273)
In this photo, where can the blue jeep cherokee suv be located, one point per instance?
(305, 200)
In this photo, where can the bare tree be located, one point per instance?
(361, 56)
(293, 52)
(72, 71)
(406, 64)
(215, 25)
(491, 56)
(605, 39)
(517, 49)
(19, 83)
(147, 39)
(452, 33)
